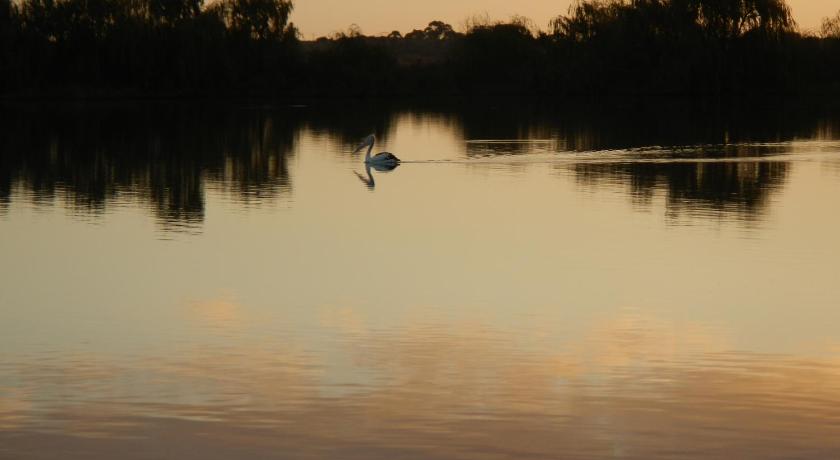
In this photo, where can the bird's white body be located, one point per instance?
(380, 159)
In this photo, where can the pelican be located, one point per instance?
(380, 159)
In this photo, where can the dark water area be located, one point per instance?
(207, 280)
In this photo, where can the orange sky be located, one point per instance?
(322, 17)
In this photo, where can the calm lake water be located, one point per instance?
(213, 282)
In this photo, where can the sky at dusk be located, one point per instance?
(322, 17)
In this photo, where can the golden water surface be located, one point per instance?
(228, 282)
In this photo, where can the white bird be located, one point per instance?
(380, 159)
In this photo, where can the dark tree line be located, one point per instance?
(145, 46)
(598, 49)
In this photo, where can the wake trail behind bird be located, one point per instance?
(551, 151)
(582, 158)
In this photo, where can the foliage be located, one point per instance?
(727, 19)
(715, 49)
(173, 11)
(143, 45)
(716, 19)
(436, 30)
(259, 19)
(831, 27)
(678, 46)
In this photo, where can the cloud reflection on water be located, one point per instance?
(634, 386)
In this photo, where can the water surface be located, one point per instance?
(216, 281)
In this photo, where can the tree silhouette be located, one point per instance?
(172, 11)
(439, 30)
(726, 19)
(258, 19)
(831, 27)
(716, 50)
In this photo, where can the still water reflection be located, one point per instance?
(183, 281)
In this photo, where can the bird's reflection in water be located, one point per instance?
(368, 181)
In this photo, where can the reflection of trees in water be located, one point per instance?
(740, 188)
(255, 154)
(160, 155)
(350, 123)
(732, 186)
(500, 122)
(828, 130)
(581, 129)
(164, 155)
